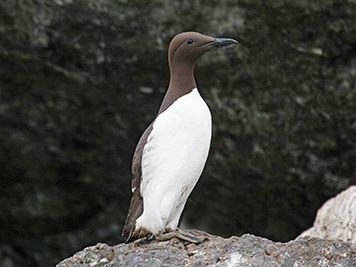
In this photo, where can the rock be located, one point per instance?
(336, 219)
(247, 250)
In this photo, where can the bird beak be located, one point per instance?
(221, 42)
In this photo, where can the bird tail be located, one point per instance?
(135, 211)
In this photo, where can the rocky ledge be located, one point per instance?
(247, 250)
(335, 220)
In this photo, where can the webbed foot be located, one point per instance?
(192, 236)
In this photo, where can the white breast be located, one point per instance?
(173, 160)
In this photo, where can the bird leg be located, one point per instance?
(191, 236)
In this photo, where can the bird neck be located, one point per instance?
(181, 82)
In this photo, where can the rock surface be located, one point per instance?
(247, 250)
(336, 219)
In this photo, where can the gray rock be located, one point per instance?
(247, 250)
(336, 219)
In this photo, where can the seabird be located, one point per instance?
(171, 153)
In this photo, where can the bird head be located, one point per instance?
(187, 47)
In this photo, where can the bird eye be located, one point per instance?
(189, 41)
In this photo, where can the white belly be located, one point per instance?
(173, 160)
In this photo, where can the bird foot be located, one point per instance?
(142, 241)
(191, 236)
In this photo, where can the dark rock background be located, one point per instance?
(80, 80)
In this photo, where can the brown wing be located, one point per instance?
(136, 204)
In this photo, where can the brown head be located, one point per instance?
(187, 47)
(184, 49)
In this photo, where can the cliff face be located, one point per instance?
(247, 250)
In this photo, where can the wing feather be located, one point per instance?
(136, 204)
